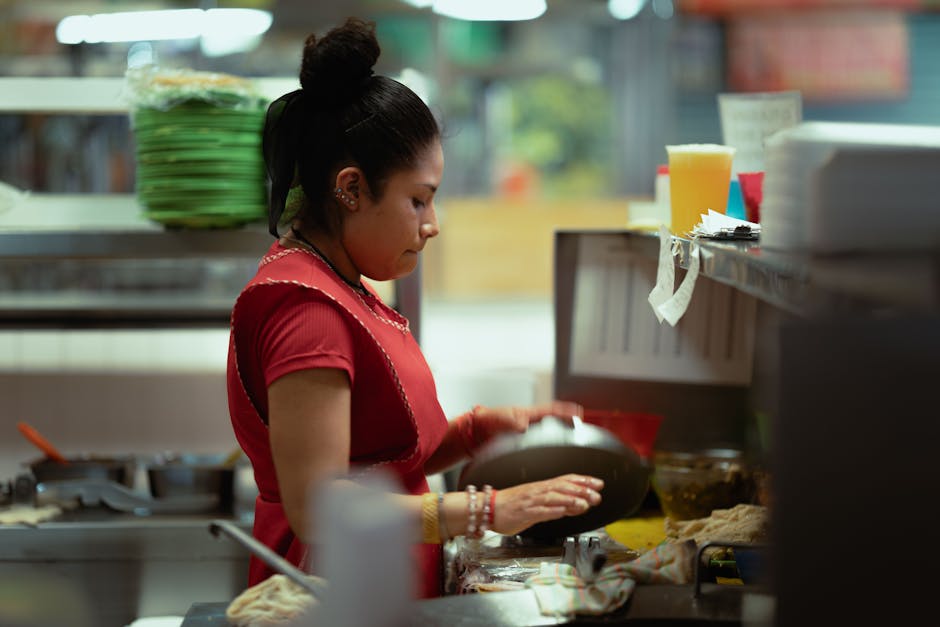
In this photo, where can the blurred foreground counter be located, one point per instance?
(661, 605)
(95, 567)
(486, 585)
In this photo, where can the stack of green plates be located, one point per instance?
(200, 165)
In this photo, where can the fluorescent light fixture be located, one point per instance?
(625, 9)
(246, 24)
(490, 10)
(419, 4)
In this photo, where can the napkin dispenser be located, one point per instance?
(851, 187)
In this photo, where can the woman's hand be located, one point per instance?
(483, 423)
(519, 507)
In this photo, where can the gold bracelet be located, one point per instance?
(430, 530)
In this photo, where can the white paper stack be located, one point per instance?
(848, 187)
(714, 224)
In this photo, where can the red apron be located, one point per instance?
(408, 426)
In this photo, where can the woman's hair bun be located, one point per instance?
(336, 65)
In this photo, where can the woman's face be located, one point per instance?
(384, 235)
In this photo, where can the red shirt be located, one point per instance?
(295, 314)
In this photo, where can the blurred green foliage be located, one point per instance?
(562, 127)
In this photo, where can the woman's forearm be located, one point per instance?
(454, 448)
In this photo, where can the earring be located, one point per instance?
(346, 198)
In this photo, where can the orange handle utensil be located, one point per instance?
(41, 443)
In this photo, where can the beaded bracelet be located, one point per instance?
(487, 521)
(430, 532)
(472, 511)
(492, 507)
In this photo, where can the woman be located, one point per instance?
(323, 377)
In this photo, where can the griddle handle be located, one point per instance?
(268, 556)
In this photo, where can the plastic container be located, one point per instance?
(752, 192)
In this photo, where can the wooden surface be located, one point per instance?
(492, 247)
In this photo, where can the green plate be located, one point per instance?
(242, 216)
(191, 180)
(201, 155)
(193, 201)
(212, 123)
(204, 118)
(200, 222)
(200, 143)
(232, 211)
(200, 168)
(243, 212)
(202, 108)
(236, 137)
(201, 184)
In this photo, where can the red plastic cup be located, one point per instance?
(752, 188)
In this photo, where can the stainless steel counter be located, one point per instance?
(119, 567)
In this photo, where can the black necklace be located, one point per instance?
(298, 236)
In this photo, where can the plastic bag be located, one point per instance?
(151, 87)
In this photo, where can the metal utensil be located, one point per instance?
(269, 557)
(44, 445)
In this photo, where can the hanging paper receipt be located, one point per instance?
(668, 303)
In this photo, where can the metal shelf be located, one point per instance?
(49, 236)
(93, 96)
(133, 244)
(805, 284)
(50, 226)
(114, 311)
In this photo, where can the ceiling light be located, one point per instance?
(625, 9)
(160, 25)
(490, 10)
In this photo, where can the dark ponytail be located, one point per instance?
(342, 115)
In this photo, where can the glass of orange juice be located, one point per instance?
(699, 180)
